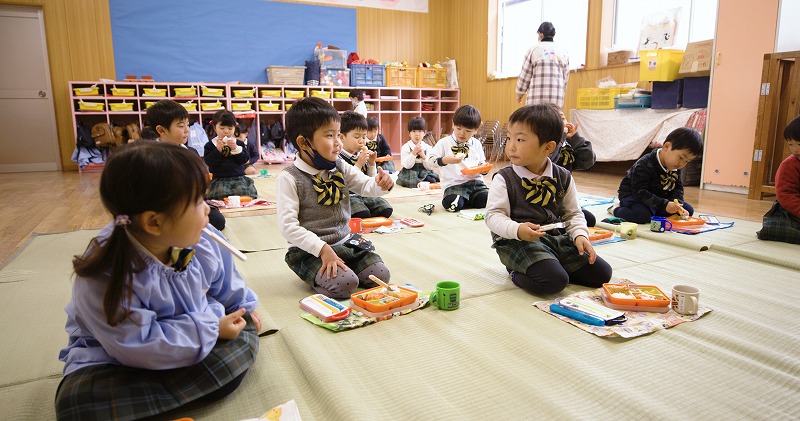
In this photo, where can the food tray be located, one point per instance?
(692, 221)
(636, 295)
(621, 307)
(375, 315)
(477, 169)
(374, 222)
(373, 300)
(386, 158)
(596, 234)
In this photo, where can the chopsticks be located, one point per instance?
(225, 244)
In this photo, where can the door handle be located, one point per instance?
(42, 94)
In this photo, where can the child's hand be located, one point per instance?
(331, 262)
(452, 159)
(363, 156)
(230, 142)
(675, 208)
(256, 320)
(231, 324)
(571, 129)
(384, 180)
(529, 231)
(417, 150)
(585, 246)
(372, 155)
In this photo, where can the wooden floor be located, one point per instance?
(52, 202)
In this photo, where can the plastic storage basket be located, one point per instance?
(120, 106)
(268, 106)
(367, 75)
(270, 93)
(286, 75)
(241, 106)
(190, 91)
(154, 91)
(636, 102)
(660, 65)
(431, 77)
(213, 92)
(598, 98)
(293, 94)
(86, 91)
(321, 94)
(211, 106)
(244, 93)
(401, 76)
(90, 106)
(123, 91)
(190, 106)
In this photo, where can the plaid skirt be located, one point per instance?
(374, 205)
(410, 177)
(780, 225)
(306, 266)
(111, 391)
(221, 188)
(519, 255)
(466, 190)
(387, 166)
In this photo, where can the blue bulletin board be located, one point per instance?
(222, 41)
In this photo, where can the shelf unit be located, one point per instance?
(393, 106)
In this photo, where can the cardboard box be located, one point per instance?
(619, 57)
(697, 59)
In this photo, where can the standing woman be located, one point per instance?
(545, 70)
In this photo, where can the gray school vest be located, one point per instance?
(329, 223)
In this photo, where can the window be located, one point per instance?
(696, 21)
(518, 20)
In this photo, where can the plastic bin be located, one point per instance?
(321, 94)
(293, 94)
(367, 75)
(285, 75)
(212, 92)
(431, 77)
(334, 77)
(598, 98)
(269, 106)
(123, 91)
(270, 93)
(401, 76)
(86, 91)
(212, 106)
(241, 106)
(190, 106)
(190, 91)
(244, 93)
(162, 92)
(91, 106)
(120, 106)
(332, 59)
(343, 94)
(637, 102)
(660, 65)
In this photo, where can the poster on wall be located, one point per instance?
(404, 5)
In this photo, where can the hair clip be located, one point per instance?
(428, 209)
(122, 220)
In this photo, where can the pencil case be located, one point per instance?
(325, 308)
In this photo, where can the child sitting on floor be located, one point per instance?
(314, 207)
(152, 323)
(652, 186)
(226, 157)
(414, 157)
(352, 134)
(533, 192)
(170, 122)
(782, 221)
(377, 143)
(241, 133)
(574, 152)
(458, 151)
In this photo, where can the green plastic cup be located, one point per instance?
(264, 173)
(447, 295)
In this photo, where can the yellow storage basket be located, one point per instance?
(270, 93)
(341, 94)
(154, 91)
(191, 91)
(90, 106)
(321, 94)
(293, 94)
(123, 91)
(120, 106)
(206, 91)
(242, 106)
(211, 106)
(244, 93)
(148, 104)
(287, 106)
(87, 91)
(269, 107)
(190, 106)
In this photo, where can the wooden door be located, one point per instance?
(28, 137)
(778, 105)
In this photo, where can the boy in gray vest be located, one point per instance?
(531, 193)
(314, 205)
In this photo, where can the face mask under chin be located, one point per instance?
(318, 161)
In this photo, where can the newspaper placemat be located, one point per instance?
(585, 200)
(638, 323)
(697, 229)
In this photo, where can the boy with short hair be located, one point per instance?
(170, 121)
(353, 133)
(377, 143)
(314, 207)
(357, 97)
(782, 221)
(652, 186)
(458, 151)
(531, 193)
(413, 157)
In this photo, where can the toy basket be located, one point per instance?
(321, 94)
(90, 106)
(120, 106)
(214, 92)
(286, 75)
(334, 77)
(269, 106)
(598, 98)
(154, 91)
(241, 106)
(87, 91)
(401, 76)
(431, 77)
(190, 91)
(660, 65)
(636, 102)
(123, 91)
(244, 93)
(367, 75)
(270, 93)
(211, 106)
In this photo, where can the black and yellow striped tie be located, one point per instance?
(372, 145)
(668, 180)
(181, 258)
(462, 148)
(329, 192)
(540, 191)
(566, 156)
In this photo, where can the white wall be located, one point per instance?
(788, 34)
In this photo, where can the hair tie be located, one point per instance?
(121, 220)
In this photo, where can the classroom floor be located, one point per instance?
(52, 202)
